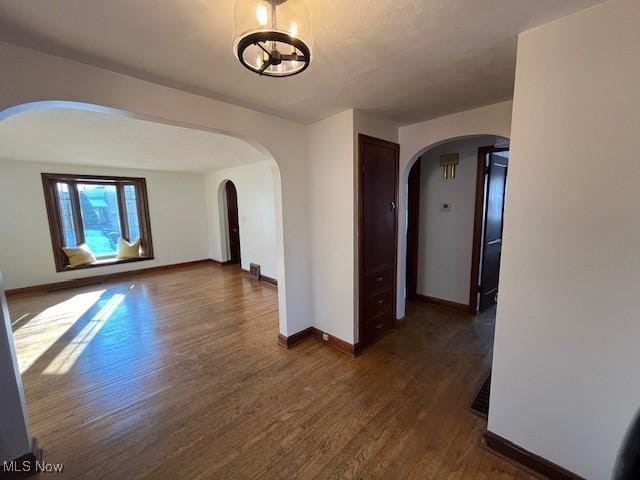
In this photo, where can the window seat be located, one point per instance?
(105, 262)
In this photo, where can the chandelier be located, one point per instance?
(272, 37)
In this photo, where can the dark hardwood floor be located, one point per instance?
(177, 374)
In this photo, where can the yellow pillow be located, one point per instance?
(80, 255)
(128, 250)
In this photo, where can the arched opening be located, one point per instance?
(453, 190)
(78, 325)
(232, 222)
(244, 219)
(454, 213)
(259, 153)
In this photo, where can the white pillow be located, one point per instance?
(128, 250)
(80, 255)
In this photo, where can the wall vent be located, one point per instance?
(254, 270)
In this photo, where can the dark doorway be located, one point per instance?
(413, 225)
(234, 224)
(490, 194)
(378, 220)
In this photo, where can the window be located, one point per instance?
(96, 210)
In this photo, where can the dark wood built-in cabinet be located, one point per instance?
(378, 220)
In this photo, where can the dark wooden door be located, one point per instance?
(378, 220)
(234, 224)
(492, 243)
(413, 225)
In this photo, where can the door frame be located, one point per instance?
(362, 140)
(478, 223)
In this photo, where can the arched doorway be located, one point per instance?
(233, 224)
(455, 200)
(216, 117)
(180, 200)
(243, 227)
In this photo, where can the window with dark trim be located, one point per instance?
(97, 210)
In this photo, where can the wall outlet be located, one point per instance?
(325, 337)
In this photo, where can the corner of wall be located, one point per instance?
(330, 173)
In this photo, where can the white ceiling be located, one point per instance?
(408, 60)
(90, 138)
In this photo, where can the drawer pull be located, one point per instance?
(380, 302)
(379, 279)
(379, 326)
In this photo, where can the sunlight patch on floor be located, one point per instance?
(19, 319)
(72, 351)
(46, 328)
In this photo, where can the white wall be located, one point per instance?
(446, 237)
(255, 184)
(330, 156)
(417, 138)
(15, 435)
(373, 126)
(332, 159)
(565, 369)
(177, 207)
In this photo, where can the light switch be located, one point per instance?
(445, 207)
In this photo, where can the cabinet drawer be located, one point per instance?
(375, 327)
(377, 304)
(378, 281)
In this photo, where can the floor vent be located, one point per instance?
(254, 270)
(480, 403)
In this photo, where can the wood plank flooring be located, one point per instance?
(177, 375)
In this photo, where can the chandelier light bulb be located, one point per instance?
(262, 14)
